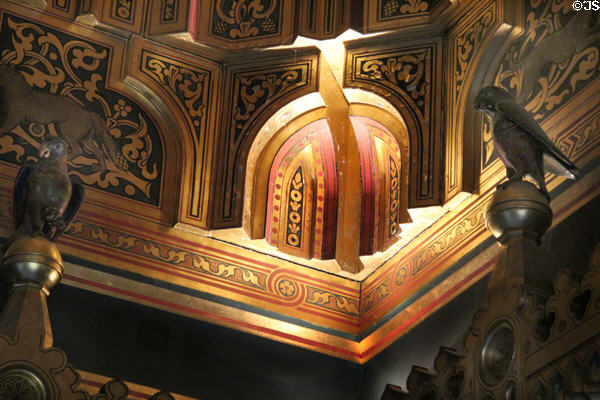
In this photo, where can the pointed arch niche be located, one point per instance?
(292, 197)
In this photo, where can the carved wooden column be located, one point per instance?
(501, 336)
(30, 368)
(518, 216)
(537, 338)
(32, 266)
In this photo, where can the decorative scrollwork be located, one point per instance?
(255, 90)
(395, 8)
(169, 11)
(467, 43)
(408, 72)
(374, 297)
(119, 152)
(295, 210)
(244, 19)
(122, 10)
(174, 256)
(401, 276)
(394, 220)
(255, 93)
(187, 84)
(229, 272)
(332, 301)
(455, 235)
(556, 56)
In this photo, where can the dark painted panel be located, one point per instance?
(446, 327)
(568, 245)
(116, 338)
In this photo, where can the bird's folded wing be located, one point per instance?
(77, 193)
(20, 195)
(517, 114)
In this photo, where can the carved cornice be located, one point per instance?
(521, 346)
(270, 285)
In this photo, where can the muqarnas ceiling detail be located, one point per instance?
(302, 197)
(381, 165)
(114, 143)
(302, 203)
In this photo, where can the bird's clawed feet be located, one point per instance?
(505, 184)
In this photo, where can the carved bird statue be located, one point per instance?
(521, 143)
(44, 199)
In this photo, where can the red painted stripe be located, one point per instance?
(582, 196)
(331, 194)
(363, 139)
(281, 153)
(269, 298)
(193, 19)
(381, 272)
(351, 320)
(412, 320)
(286, 336)
(382, 276)
(213, 283)
(392, 299)
(413, 283)
(174, 241)
(253, 264)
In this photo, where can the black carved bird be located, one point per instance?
(44, 199)
(520, 141)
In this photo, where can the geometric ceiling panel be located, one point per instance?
(410, 77)
(303, 181)
(242, 24)
(57, 86)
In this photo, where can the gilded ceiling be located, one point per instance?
(234, 177)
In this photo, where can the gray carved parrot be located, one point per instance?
(519, 140)
(44, 199)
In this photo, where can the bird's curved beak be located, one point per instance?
(44, 152)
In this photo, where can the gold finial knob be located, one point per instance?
(518, 208)
(32, 260)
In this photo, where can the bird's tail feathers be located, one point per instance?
(558, 167)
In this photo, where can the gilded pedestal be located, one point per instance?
(518, 216)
